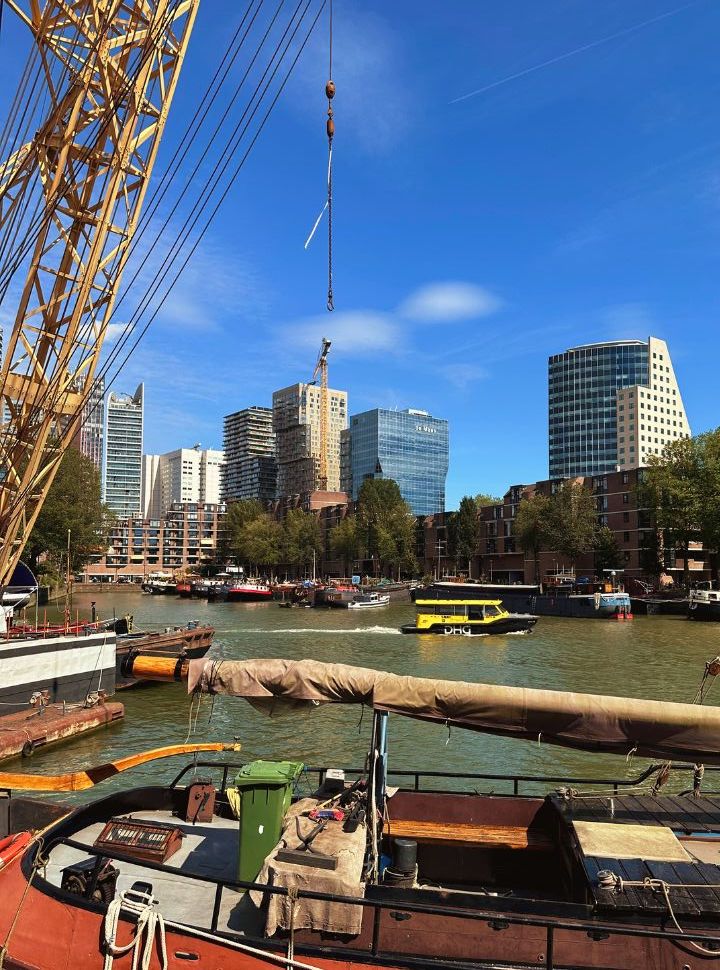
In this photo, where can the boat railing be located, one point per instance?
(399, 909)
(517, 784)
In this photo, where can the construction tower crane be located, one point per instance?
(321, 368)
(109, 71)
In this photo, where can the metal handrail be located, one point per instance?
(497, 920)
(416, 775)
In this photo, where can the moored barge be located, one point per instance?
(424, 876)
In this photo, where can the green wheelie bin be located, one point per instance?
(264, 792)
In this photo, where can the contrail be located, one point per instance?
(577, 50)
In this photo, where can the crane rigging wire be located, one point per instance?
(330, 92)
(44, 206)
(231, 147)
(229, 185)
(31, 123)
(38, 403)
(131, 329)
(149, 49)
(146, 220)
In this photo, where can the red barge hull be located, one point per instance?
(49, 934)
(25, 731)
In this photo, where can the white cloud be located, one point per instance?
(115, 331)
(462, 375)
(354, 333)
(218, 283)
(448, 302)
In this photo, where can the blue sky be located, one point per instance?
(578, 201)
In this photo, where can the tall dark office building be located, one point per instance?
(411, 447)
(250, 465)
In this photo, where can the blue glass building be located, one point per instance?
(410, 447)
(582, 404)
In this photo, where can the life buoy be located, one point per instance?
(12, 846)
(467, 631)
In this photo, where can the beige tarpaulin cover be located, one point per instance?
(593, 722)
(616, 840)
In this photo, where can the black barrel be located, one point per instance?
(404, 855)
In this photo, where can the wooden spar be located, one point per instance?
(156, 668)
(80, 780)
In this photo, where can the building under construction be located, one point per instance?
(308, 419)
(296, 423)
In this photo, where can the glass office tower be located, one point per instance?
(410, 446)
(122, 459)
(582, 404)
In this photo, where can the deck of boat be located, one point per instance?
(207, 850)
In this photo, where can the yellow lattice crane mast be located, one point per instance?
(321, 369)
(109, 71)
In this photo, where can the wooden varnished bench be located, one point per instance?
(452, 833)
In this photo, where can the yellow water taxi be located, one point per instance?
(467, 618)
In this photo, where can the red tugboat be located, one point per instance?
(361, 874)
(248, 591)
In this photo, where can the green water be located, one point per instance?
(655, 657)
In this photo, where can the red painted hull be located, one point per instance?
(24, 731)
(249, 594)
(52, 934)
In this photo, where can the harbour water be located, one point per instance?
(654, 657)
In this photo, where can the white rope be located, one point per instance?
(322, 211)
(150, 924)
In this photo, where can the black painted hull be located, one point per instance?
(526, 600)
(704, 611)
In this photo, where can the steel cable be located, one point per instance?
(224, 194)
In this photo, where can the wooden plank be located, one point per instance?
(713, 806)
(690, 811)
(492, 836)
(670, 813)
(635, 870)
(681, 899)
(644, 810)
(691, 874)
(631, 898)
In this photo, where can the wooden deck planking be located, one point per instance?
(682, 900)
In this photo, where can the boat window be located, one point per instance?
(492, 611)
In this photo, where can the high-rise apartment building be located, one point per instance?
(122, 458)
(296, 423)
(89, 436)
(411, 447)
(250, 467)
(180, 476)
(592, 387)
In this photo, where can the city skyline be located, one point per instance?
(575, 203)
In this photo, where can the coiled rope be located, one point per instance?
(150, 925)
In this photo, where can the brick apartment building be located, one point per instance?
(502, 560)
(183, 540)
